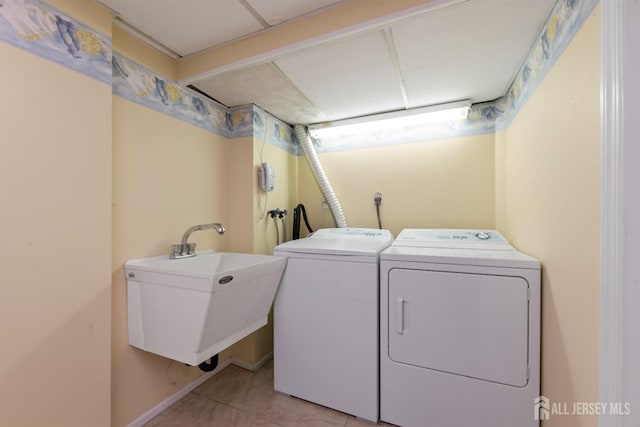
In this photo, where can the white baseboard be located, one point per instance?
(252, 366)
(156, 410)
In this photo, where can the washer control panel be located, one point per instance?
(351, 232)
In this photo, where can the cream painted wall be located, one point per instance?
(434, 184)
(240, 228)
(548, 205)
(168, 176)
(55, 177)
(282, 197)
(249, 202)
(259, 345)
(55, 229)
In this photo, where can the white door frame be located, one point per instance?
(620, 208)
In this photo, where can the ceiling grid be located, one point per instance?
(450, 51)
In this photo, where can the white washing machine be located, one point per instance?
(326, 319)
(459, 331)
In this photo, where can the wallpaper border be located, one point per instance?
(43, 30)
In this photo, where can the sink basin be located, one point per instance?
(190, 309)
(204, 271)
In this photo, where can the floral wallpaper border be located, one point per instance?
(141, 85)
(269, 128)
(36, 27)
(564, 21)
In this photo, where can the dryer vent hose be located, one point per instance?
(321, 178)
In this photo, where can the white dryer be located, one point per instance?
(459, 331)
(326, 319)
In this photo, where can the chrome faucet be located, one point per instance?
(185, 249)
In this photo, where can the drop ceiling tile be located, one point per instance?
(265, 86)
(469, 51)
(346, 78)
(276, 11)
(187, 27)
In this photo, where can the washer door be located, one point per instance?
(474, 325)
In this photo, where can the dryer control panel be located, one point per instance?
(452, 238)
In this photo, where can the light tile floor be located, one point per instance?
(236, 397)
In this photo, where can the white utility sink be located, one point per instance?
(190, 309)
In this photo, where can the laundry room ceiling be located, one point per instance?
(442, 52)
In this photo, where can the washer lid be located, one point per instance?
(340, 241)
(451, 238)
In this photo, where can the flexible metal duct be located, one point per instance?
(321, 178)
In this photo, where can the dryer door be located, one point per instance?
(474, 325)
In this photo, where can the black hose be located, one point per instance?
(210, 365)
(295, 231)
(377, 200)
(306, 220)
(296, 221)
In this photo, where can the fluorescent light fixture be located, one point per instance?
(397, 119)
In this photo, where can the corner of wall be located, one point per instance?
(548, 199)
(130, 46)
